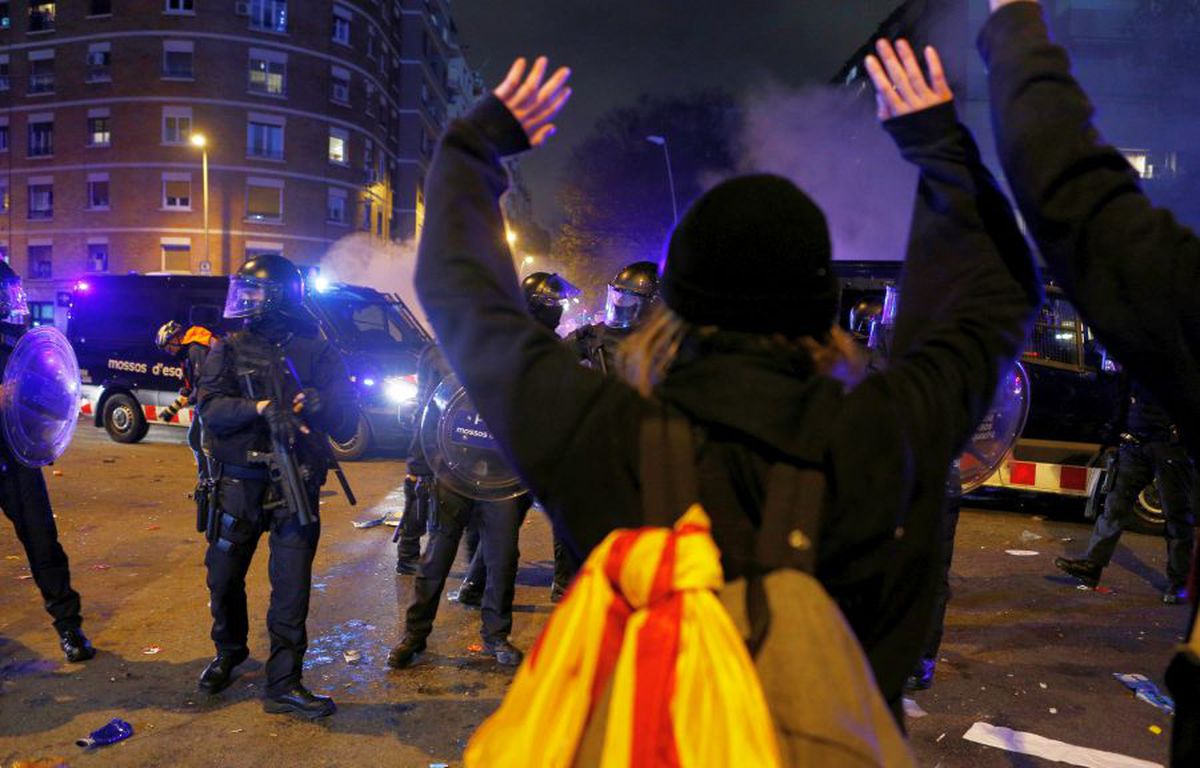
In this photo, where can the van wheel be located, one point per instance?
(354, 448)
(123, 419)
(1148, 515)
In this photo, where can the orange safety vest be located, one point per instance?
(197, 334)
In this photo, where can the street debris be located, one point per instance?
(938, 740)
(1054, 710)
(352, 656)
(1155, 730)
(116, 730)
(1021, 552)
(42, 762)
(238, 730)
(475, 648)
(57, 472)
(913, 709)
(1024, 743)
(12, 557)
(1067, 539)
(153, 527)
(1145, 690)
(25, 577)
(151, 650)
(368, 523)
(1030, 536)
(100, 566)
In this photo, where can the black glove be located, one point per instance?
(311, 405)
(281, 422)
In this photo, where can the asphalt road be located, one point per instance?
(1024, 648)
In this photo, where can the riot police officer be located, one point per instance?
(271, 393)
(1150, 450)
(631, 295)
(26, 503)
(190, 347)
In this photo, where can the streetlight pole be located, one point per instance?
(199, 140)
(662, 142)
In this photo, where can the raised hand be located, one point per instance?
(900, 85)
(533, 102)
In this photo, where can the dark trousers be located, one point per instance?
(1137, 466)
(499, 524)
(26, 503)
(565, 565)
(415, 522)
(243, 521)
(942, 596)
(196, 443)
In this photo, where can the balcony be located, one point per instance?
(41, 82)
(41, 20)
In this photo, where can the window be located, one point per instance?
(41, 312)
(370, 99)
(4, 203)
(41, 72)
(100, 8)
(177, 59)
(3, 134)
(41, 198)
(176, 254)
(264, 137)
(369, 161)
(41, 16)
(341, 25)
(264, 200)
(5, 18)
(176, 125)
(41, 136)
(99, 63)
(179, 6)
(339, 143)
(268, 15)
(97, 256)
(339, 85)
(268, 72)
(99, 131)
(177, 191)
(4, 72)
(97, 191)
(336, 206)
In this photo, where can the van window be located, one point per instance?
(365, 324)
(207, 315)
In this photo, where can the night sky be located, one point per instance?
(619, 49)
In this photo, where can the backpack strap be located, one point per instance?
(667, 467)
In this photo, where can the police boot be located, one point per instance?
(75, 645)
(301, 701)
(922, 677)
(406, 567)
(406, 652)
(1081, 568)
(217, 676)
(469, 594)
(1176, 594)
(507, 654)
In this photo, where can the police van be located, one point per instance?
(128, 382)
(1071, 390)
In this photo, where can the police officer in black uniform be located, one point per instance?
(1150, 450)
(491, 575)
(26, 503)
(419, 482)
(631, 295)
(281, 343)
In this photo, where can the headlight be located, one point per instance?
(400, 389)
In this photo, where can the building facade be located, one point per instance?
(317, 116)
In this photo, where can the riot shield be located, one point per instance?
(460, 449)
(40, 401)
(999, 430)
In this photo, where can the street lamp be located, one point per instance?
(201, 142)
(662, 142)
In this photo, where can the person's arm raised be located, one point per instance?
(535, 397)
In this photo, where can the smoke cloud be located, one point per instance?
(360, 259)
(829, 143)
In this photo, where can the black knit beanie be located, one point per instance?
(752, 254)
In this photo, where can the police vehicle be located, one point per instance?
(127, 381)
(1071, 391)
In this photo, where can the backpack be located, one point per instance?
(652, 660)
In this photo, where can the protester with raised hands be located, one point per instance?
(748, 365)
(1131, 269)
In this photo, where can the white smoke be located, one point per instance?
(360, 259)
(829, 142)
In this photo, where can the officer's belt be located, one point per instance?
(242, 472)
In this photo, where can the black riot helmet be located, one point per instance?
(631, 294)
(547, 296)
(265, 285)
(14, 308)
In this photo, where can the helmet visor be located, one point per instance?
(247, 297)
(623, 309)
(14, 308)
